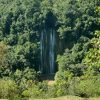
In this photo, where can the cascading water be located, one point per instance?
(47, 44)
(41, 51)
(51, 52)
(47, 54)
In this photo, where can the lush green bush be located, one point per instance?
(38, 90)
(24, 77)
(87, 87)
(52, 91)
(8, 89)
(27, 73)
(62, 79)
(92, 57)
(71, 60)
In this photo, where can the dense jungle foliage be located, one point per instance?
(77, 25)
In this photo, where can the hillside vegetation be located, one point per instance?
(76, 26)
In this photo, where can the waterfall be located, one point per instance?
(51, 52)
(47, 55)
(41, 51)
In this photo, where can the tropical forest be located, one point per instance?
(50, 49)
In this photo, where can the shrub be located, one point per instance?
(8, 89)
(52, 91)
(89, 87)
(23, 78)
(63, 75)
(38, 90)
(62, 79)
(27, 73)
